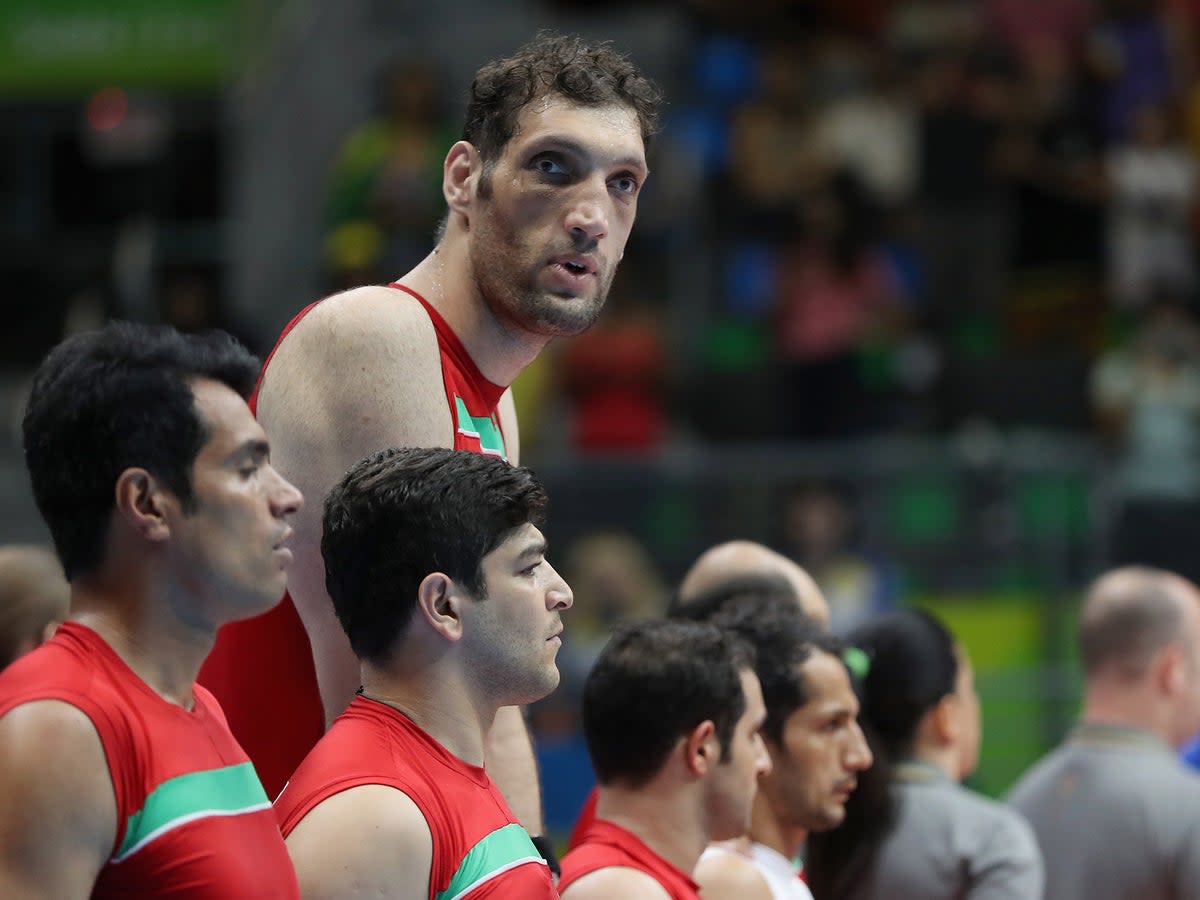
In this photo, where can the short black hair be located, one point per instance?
(652, 684)
(401, 514)
(784, 639)
(561, 65)
(913, 665)
(108, 400)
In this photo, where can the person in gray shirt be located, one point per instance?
(1115, 812)
(912, 831)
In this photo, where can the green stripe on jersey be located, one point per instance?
(228, 791)
(482, 427)
(503, 849)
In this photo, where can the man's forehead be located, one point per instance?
(225, 415)
(611, 127)
(827, 682)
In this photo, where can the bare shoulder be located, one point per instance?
(730, 876)
(616, 881)
(370, 839)
(58, 821)
(360, 372)
(508, 422)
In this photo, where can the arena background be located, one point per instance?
(888, 283)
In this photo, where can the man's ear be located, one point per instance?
(440, 601)
(460, 177)
(142, 503)
(702, 750)
(1171, 669)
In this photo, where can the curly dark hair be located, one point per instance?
(590, 75)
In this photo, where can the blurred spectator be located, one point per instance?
(869, 129)
(821, 533)
(1030, 29)
(1132, 56)
(919, 833)
(385, 190)
(968, 155)
(1146, 398)
(775, 156)
(1151, 197)
(613, 374)
(834, 291)
(34, 596)
(1115, 812)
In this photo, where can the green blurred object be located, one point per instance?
(924, 509)
(56, 47)
(1054, 508)
(735, 346)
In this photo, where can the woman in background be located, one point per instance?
(912, 830)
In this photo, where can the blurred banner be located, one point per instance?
(50, 47)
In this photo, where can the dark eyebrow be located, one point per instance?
(255, 450)
(538, 548)
(573, 146)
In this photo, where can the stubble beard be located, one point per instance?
(511, 295)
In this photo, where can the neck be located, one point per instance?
(769, 829)
(438, 701)
(161, 649)
(942, 757)
(669, 822)
(444, 278)
(1128, 709)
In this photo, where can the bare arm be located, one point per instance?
(360, 373)
(58, 819)
(616, 881)
(728, 876)
(369, 841)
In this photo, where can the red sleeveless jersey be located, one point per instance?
(605, 845)
(479, 848)
(261, 669)
(193, 822)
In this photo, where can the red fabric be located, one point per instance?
(605, 845)
(261, 669)
(372, 743)
(148, 741)
(587, 816)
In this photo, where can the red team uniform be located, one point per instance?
(479, 848)
(193, 822)
(604, 845)
(261, 669)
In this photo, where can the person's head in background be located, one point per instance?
(34, 598)
(1139, 642)
(918, 696)
(918, 706)
(672, 713)
(723, 566)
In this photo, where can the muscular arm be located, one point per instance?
(369, 841)
(616, 881)
(728, 876)
(360, 373)
(58, 818)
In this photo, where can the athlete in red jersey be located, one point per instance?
(192, 819)
(119, 776)
(542, 194)
(677, 769)
(437, 572)
(478, 847)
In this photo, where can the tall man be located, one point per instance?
(1115, 812)
(671, 714)
(118, 773)
(542, 193)
(816, 747)
(439, 576)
